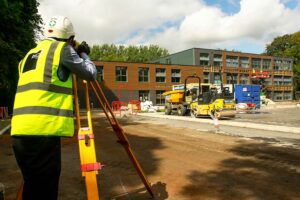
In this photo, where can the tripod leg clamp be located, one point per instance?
(91, 167)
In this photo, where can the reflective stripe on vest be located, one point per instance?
(43, 104)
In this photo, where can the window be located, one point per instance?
(244, 62)
(206, 78)
(160, 99)
(217, 79)
(204, 58)
(160, 75)
(143, 74)
(144, 95)
(204, 62)
(232, 61)
(244, 79)
(278, 95)
(287, 80)
(175, 77)
(268, 81)
(266, 64)
(256, 63)
(288, 96)
(232, 79)
(100, 71)
(121, 74)
(283, 65)
(217, 60)
(278, 80)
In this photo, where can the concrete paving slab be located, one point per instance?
(230, 122)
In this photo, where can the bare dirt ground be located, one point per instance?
(180, 163)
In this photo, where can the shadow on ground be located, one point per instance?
(260, 171)
(118, 179)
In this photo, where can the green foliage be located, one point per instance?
(20, 22)
(131, 53)
(288, 46)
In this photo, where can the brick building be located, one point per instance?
(127, 81)
(279, 85)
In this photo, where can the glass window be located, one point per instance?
(232, 61)
(217, 60)
(233, 79)
(121, 74)
(256, 63)
(160, 99)
(266, 64)
(288, 96)
(160, 74)
(278, 80)
(244, 62)
(244, 79)
(283, 65)
(206, 78)
(217, 78)
(176, 75)
(204, 59)
(143, 74)
(100, 74)
(144, 95)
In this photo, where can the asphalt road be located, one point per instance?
(286, 117)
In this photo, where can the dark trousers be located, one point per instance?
(39, 159)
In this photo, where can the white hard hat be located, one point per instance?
(59, 27)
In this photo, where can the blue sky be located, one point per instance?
(243, 25)
(233, 6)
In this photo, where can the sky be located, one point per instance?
(241, 25)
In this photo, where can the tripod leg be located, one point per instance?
(76, 103)
(119, 132)
(89, 166)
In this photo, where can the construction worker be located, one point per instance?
(43, 107)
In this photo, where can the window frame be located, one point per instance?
(121, 76)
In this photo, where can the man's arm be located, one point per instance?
(82, 67)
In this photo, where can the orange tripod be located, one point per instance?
(89, 166)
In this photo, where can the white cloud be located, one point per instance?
(193, 23)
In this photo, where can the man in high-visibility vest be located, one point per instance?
(43, 107)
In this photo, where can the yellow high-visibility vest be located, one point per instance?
(43, 104)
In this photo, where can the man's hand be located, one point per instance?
(83, 48)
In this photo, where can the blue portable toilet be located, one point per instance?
(247, 94)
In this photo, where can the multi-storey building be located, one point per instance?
(127, 81)
(243, 66)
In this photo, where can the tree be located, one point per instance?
(20, 22)
(130, 53)
(288, 46)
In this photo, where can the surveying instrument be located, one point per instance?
(88, 164)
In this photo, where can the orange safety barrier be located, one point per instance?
(117, 106)
(135, 106)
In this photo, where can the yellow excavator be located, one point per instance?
(200, 100)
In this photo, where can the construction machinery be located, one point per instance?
(214, 103)
(201, 99)
(180, 100)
